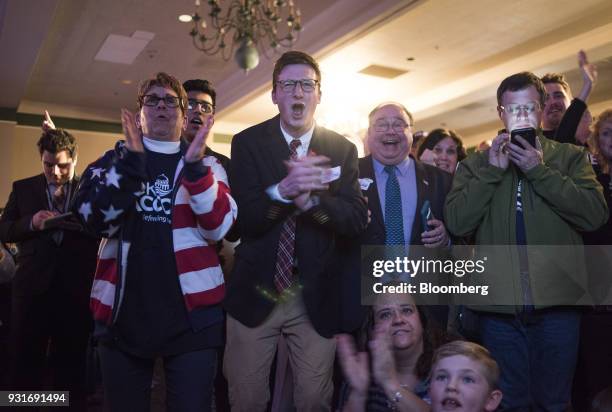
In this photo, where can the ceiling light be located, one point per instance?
(383, 71)
(122, 49)
(185, 18)
(250, 25)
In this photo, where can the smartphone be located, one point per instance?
(527, 133)
(426, 215)
(56, 221)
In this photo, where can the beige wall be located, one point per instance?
(20, 159)
(6, 159)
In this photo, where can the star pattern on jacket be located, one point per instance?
(205, 211)
(112, 178)
(97, 172)
(85, 210)
(111, 213)
(112, 229)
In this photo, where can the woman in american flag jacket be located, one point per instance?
(160, 205)
(202, 211)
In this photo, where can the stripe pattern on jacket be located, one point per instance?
(202, 213)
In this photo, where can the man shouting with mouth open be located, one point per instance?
(296, 188)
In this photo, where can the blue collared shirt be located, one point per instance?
(406, 177)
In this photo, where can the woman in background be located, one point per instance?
(442, 148)
(400, 346)
(595, 353)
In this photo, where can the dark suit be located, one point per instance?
(258, 154)
(432, 184)
(50, 293)
(307, 316)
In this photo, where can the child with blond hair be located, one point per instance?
(464, 378)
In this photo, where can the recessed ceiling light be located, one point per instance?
(382, 71)
(126, 81)
(122, 49)
(185, 18)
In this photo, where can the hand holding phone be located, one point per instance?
(527, 133)
(426, 215)
(434, 234)
(528, 156)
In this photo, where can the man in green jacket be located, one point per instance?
(525, 205)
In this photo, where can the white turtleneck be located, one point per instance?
(159, 146)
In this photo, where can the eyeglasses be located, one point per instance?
(515, 108)
(288, 86)
(398, 126)
(152, 100)
(206, 106)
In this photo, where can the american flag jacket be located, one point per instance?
(202, 212)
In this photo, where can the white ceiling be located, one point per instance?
(461, 51)
(63, 70)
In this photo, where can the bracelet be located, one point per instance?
(395, 400)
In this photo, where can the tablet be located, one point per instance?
(56, 221)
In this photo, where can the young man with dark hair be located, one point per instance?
(57, 140)
(295, 58)
(201, 104)
(557, 101)
(562, 117)
(203, 86)
(525, 200)
(159, 204)
(297, 193)
(49, 314)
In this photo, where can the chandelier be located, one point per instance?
(252, 25)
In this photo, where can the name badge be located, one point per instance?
(331, 174)
(365, 183)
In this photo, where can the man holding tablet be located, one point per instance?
(56, 262)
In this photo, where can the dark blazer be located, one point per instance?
(432, 184)
(40, 260)
(258, 154)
